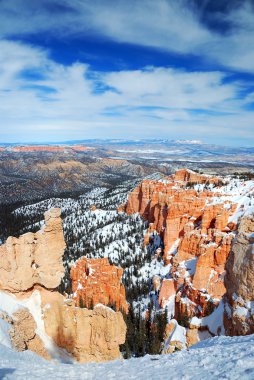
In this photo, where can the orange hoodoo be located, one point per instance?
(96, 281)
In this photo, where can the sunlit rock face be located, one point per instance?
(192, 218)
(34, 258)
(239, 281)
(88, 335)
(96, 281)
(41, 319)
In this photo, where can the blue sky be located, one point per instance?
(79, 69)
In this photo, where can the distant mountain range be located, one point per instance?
(193, 146)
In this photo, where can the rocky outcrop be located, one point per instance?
(89, 335)
(34, 258)
(239, 281)
(174, 337)
(23, 333)
(195, 220)
(186, 175)
(167, 290)
(173, 208)
(96, 281)
(40, 318)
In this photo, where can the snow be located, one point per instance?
(9, 305)
(216, 358)
(195, 321)
(234, 191)
(4, 334)
(190, 266)
(179, 334)
(171, 307)
(241, 311)
(174, 248)
(214, 321)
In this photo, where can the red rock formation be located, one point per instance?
(186, 175)
(167, 290)
(171, 207)
(95, 281)
(81, 148)
(38, 148)
(197, 222)
(50, 148)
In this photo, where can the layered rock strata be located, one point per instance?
(96, 281)
(189, 176)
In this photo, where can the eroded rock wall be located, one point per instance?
(96, 281)
(89, 335)
(239, 281)
(34, 258)
(197, 226)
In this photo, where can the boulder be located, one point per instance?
(23, 333)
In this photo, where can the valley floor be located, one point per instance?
(217, 358)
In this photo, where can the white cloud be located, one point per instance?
(44, 100)
(168, 25)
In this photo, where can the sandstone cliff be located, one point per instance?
(96, 281)
(40, 318)
(186, 175)
(34, 258)
(192, 223)
(239, 281)
(89, 335)
(196, 218)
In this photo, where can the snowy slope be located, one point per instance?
(216, 358)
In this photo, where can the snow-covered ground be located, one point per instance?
(216, 358)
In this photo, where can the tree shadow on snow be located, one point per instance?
(6, 371)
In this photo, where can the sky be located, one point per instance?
(84, 69)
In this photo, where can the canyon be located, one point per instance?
(196, 217)
(29, 173)
(180, 244)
